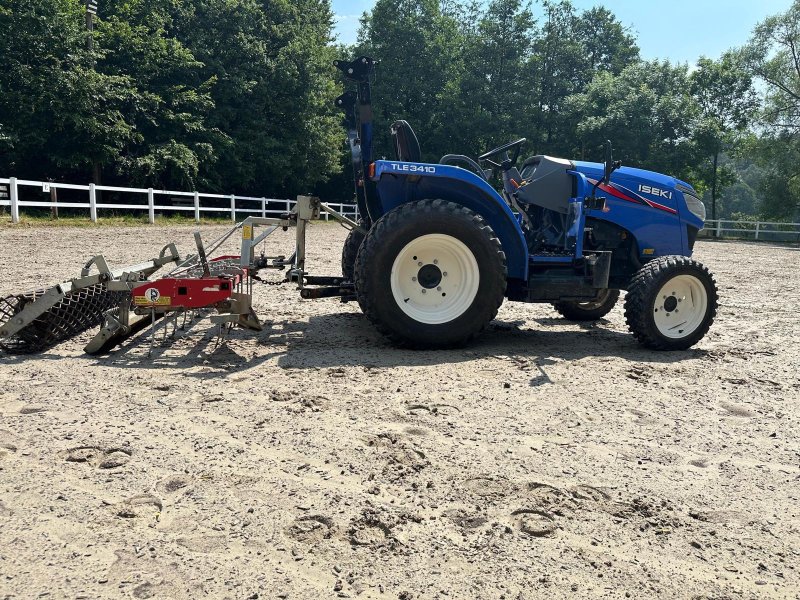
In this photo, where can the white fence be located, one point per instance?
(753, 230)
(190, 202)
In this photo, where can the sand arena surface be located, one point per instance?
(313, 460)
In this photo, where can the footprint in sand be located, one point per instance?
(99, 457)
(533, 522)
(589, 493)
(173, 483)
(701, 463)
(371, 531)
(401, 456)
(465, 520)
(488, 486)
(737, 410)
(8, 443)
(311, 528)
(142, 506)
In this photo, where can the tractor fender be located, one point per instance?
(401, 182)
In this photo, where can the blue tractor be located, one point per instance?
(440, 249)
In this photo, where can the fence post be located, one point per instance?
(288, 207)
(263, 208)
(196, 207)
(719, 227)
(758, 228)
(151, 206)
(92, 203)
(12, 188)
(233, 208)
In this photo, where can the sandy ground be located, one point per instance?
(313, 460)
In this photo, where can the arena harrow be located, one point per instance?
(126, 301)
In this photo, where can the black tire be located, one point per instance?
(588, 311)
(350, 251)
(389, 238)
(642, 303)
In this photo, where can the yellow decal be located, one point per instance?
(648, 251)
(144, 301)
(247, 232)
(152, 297)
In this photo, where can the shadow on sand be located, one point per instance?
(349, 340)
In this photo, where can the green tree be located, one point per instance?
(646, 110)
(57, 114)
(608, 45)
(569, 49)
(419, 45)
(271, 63)
(773, 56)
(491, 85)
(169, 95)
(726, 98)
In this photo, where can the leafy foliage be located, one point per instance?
(237, 95)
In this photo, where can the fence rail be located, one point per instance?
(180, 201)
(753, 230)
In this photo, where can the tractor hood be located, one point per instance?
(656, 190)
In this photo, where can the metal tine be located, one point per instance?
(175, 324)
(152, 335)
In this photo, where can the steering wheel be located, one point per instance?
(517, 146)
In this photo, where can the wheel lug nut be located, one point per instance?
(419, 264)
(439, 289)
(435, 261)
(444, 274)
(424, 291)
(413, 279)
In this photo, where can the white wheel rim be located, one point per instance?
(435, 278)
(680, 307)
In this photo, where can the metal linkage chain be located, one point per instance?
(275, 283)
(76, 313)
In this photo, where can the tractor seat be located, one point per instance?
(406, 145)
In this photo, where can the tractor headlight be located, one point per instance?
(695, 206)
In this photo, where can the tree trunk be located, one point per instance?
(714, 187)
(54, 200)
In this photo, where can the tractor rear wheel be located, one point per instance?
(430, 274)
(671, 303)
(588, 311)
(350, 251)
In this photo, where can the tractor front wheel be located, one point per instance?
(430, 274)
(588, 311)
(671, 303)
